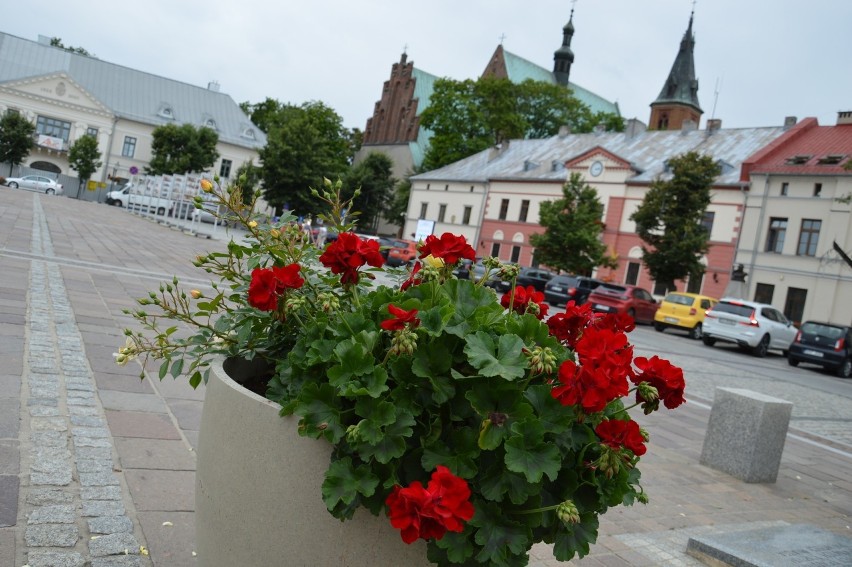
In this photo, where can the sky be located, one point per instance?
(757, 61)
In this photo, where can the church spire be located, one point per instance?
(678, 100)
(564, 57)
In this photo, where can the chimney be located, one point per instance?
(498, 149)
(633, 127)
(213, 86)
(844, 117)
(600, 128)
(688, 126)
(564, 131)
(789, 122)
(714, 124)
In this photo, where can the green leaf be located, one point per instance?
(393, 441)
(575, 540)
(457, 546)
(344, 482)
(195, 379)
(496, 483)
(502, 540)
(504, 359)
(458, 453)
(164, 368)
(528, 453)
(553, 416)
(376, 415)
(177, 368)
(319, 408)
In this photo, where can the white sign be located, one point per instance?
(50, 142)
(424, 229)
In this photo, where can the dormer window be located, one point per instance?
(557, 165)
(166, 112)
(210, 123)
(248, 133)
(798, 160)
(831, 159)
(529, 165)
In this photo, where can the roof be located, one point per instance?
(681, 86)
(809, 149)
(128, 93)
(646, 151)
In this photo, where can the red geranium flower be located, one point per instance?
(413, 279)
(450, 248)
(617, 433)
(523, 297)
(568, 327)
(664, 376)
(267, 284)
(348, 253)
(400, 319)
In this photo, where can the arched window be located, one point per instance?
(46, 166)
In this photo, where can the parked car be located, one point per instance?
(38, 183)
(475, 271)
(385, 244)
(755, 326)
(681, 310)
(402, 252)
(628, 299)
(535, 277)
(825, 344)
(559, 290)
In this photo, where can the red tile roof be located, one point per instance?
(806, 140)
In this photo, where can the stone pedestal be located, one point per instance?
(746, 434)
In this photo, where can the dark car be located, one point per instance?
(535, 277)
(825, 344)
(562, 289)
(475, 271)
(627, 299)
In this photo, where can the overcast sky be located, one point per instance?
(766, 58)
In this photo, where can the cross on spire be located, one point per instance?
(502, 37)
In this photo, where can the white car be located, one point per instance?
(756, 326)
(38, 183)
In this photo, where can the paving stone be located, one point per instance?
(126, 401)
(56, 478)
(91, 432)
(92, 442)
(171, 545)
(44, 496)
(78, 401)
(49, 439)
(53, 514)
(10, 419)
(97, 453)
(141, 424)
(92, 465)
(114, 544)
(10, 457)
(119, 561)
(83, 410)
(55, 559)
(98, 479)
(102, 508)
(48, 424)
(139, 453)
(161, 490)
(7, 546)
(88, 421)
(52, 535)
(110, 525)
(100, 493)
(41, 411)
(9, 486)
(43, 402)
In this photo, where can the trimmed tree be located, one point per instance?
(669, 219)
(84, 158)
(572, 237)
(182, 149)
(374, 177)
(16, 138)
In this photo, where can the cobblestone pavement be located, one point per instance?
(96, 466)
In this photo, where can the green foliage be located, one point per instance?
(669, 219)
(469, 116)
(572, 237)
(248, 176)
(57, 42)
(374, 181)
(84, 157)
(16, 138)
(182, 149)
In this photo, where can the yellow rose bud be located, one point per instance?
(433, 261)
(206, 186)
(275, 233)
(195, 293)
(252, 224)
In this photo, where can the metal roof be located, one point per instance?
(130, 94)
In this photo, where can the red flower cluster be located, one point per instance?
(348, 253)
(267, 284)
(605, 359)
(450, 248)
(413, 278)
(400, 319)
(617, 433)
(665, 377)
(523, 297)
(568, 327)
(432, 511)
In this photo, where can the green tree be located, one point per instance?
(669, 219)
(16, 138)
(182, 149)
(248, 176)
(57, 42)
(469, 116)
(374, 177)
(572, 237)
(304, 144)
(84, 158)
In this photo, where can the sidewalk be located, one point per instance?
(96, 466)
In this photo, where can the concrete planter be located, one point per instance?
(258, 497)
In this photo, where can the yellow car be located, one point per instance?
(681, 310)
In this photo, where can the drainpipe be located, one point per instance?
(757, 233)
(478, 231)
(109, 149)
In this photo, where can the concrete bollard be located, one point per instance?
(746, 433)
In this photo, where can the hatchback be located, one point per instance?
(562, 289)
(825, 344)
(683, 311)
(754, 326)
(535, 277)
(402, 252)
(38, 183)
(628, 299)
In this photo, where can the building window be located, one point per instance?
(817, 189)
(423, 208)
(225, 168)
(53, 128)
(660, 288)
(428, 185)
(442, 211)
(471, 188)
(809, 237)
(632, 277)
(446, 187)
(785, 187)
(495, 249)
(93, 132)
(504, 209)
(129, 148)
(763, 293)
(516, 254)
(525, 209)
(707, 222)
(777, 232)
(466, 217)
(794, 307)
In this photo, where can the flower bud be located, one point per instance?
(252, 224)
(206, 186)
(275, 233)
(195, 293)
(433, 261)
(567, 512)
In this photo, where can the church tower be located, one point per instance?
(678, 101)
(564, 57)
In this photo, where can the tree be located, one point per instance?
(16, 138)
(305, 144)
(248, 177)
(374, 177)
(469, 116)
(572, 237)
(57, 42)
(669, 219)
(84, 158)
(182, 149)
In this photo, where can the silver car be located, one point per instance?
(755, 326)
(38, 183)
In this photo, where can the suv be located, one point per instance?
(825, 344)
(756, 326)
(562, 289)
(634, 301)
(535, 277)
(683, 311)
(402, 252)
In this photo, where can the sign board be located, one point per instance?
(424, 229)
